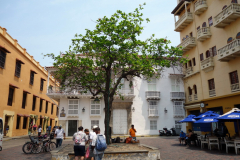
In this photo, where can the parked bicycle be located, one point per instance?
(38, 145)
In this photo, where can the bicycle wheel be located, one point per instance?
(52, 146)
(27, 148)
(37, 148)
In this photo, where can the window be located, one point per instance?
(2, 59)
(189, 91)
(153, 125)
(234, 1)
(18, 122)
(94, 123)
(95, 107)
(194, 62)
(46, 109)
(73, 106)
(191, 35)
(211, 84)
(201, 57)
(52, 109)
(25, 122)
(229, 40)
(214, 51)
(175, 85)
(195, 89)
(41, 84)
(10, 96)
(153, 108)
(204, 24)
(178, 109)
(237, 37)
(34, 103)
(198, 27)
(210, 21)
(190, 63)
(18, 68)
(234, 77)
(32, 77)
(41, 103)
(152, 85)
(24, 99)
(207, 54)
(185, 65)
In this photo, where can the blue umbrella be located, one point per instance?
(209, 113)
(208, 119)
(189, 118)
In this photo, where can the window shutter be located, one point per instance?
(210, 52)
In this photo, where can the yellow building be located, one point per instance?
(23, 88)
(210, 37)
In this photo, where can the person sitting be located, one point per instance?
(182, 137)
(187, 140)
(132, 132)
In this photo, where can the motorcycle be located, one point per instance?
(165, 132)
(173, 132)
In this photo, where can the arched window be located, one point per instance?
(234, 1)
(195, 89)
(204, 24)
(238, 35)
(224, 7)
(229, 40)
(189, 91)
(207, 54)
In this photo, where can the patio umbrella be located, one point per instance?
(208, 119)
(231, 117)
(189, 118)
(209, 113)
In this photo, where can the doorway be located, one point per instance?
(72, 127)
(6, 125)
(120, 121)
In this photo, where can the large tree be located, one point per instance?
(98, 60)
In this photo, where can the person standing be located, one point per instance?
(39, 130)
(34, 128)
(91, 136)
(60, 135)
(98, 150)
(132, 133)
(80, 139)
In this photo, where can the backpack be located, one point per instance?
(101, 144)
(78, 138)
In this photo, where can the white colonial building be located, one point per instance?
(149, 105)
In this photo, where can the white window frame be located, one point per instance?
(75, 111)
(91, 103)
(175, 83)
(94, 123)
(153, 125)
(152, 83)
(153, 108)
(178, 110)
(177, 124)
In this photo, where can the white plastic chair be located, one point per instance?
(213, 141)
(203, 141)
(229, 144)
(237, 145)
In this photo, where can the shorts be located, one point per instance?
(134, 138)
(79, 150)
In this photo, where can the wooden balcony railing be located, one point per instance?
(188, 44)
(207, 64)
(235, 87)
(212, 93)
(183, 21)
(203, 34)
(230, 51)
(152, 94)
(177, 95)
(200, 7)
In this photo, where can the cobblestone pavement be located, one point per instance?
(169, 149)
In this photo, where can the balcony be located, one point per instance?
(228, 15)
(235, 87)
(230, 51)
(154, 95)
(203, 34)
(195, 96)
(188, 44)
(189, 72)
(207, 65)
(183, 21)
(189, 98)
(177, 95)
(153, 111)
(212, 93)
(200, 7)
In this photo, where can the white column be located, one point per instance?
(48, 80)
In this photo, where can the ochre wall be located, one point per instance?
(7, 76)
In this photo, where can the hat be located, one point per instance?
(60, 125)
(181, 131)
(95, 127)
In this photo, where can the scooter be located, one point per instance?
(173, 132)
(165, 132)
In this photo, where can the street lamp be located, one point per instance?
(83, 110)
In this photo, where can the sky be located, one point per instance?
(47, 26)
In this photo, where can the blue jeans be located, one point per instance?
(98, 156)
(59, 142)
(134, 138)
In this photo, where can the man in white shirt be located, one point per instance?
(59, 134)
(98, 155)
(91, 135)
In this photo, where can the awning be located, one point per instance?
(13, 85)
(52, 118)
(20, 61)
(36, 95)
(41, 117)
(33, 71)
(26, 115)
(4, 49)
(26, 91)
(21, 115)
(43, 79)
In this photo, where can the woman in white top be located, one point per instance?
(39, 130)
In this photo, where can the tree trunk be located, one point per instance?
(108, 108)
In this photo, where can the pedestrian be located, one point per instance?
(98, 144)
(80, 139)
(132, 133)
(39, 130)
(34, 128)
(60, 135)
(91, 135)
